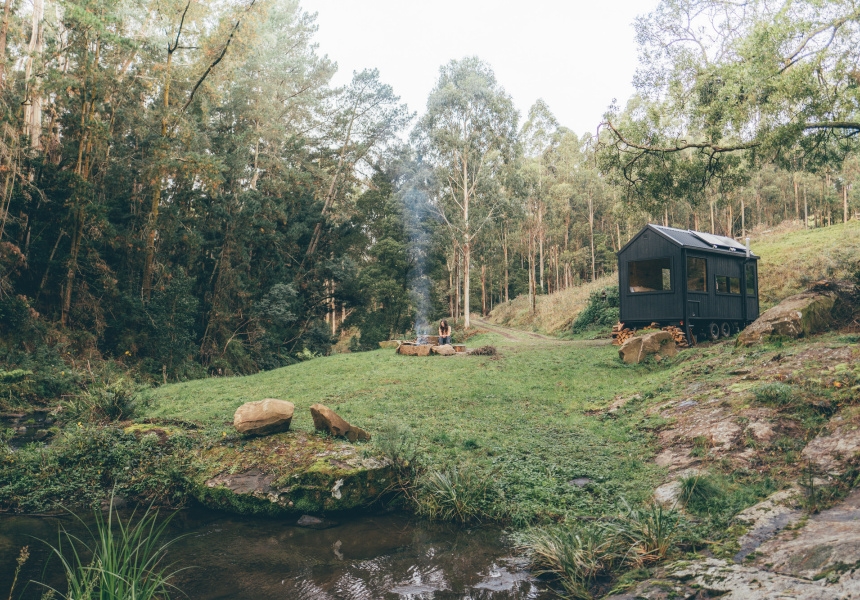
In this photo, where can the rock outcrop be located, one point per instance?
(288, 474)
(414, 349)
(659, 344)
(264, 417)
(445, 350)
(819, 308)
(325, 419)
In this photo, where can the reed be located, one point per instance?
(120, 561)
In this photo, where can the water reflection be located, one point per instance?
(383, 557)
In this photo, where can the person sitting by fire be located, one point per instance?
(444, 333)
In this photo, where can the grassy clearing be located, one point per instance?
(514, 423)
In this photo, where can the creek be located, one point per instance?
(361, 558)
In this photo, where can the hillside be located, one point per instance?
(791, 258)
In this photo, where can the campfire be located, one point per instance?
(425, 344)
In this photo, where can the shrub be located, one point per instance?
(600, 311)
(109, 400)
(84, 462)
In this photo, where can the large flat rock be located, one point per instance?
(799, 315)
(829, 539)
(289, 473)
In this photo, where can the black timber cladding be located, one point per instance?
(724, 257)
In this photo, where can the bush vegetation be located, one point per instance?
(601, 310)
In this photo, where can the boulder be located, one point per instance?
(390, 344)
(823, 306)
(311, 522)
(659, 344)
(445, 350)
(414, 350)
(264, 417)
(325, 419)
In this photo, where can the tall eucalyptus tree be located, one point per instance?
(467, 133)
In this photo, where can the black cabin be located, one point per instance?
(706, 284)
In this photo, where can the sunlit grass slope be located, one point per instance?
(790, 260)
(553, 312)
(519, 418)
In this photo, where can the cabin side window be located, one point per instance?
(750, 272)
(728, 285)
(697, 274)
(650, 275)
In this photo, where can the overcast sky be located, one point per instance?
(577, 55)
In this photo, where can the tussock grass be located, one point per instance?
(577, 555)
(122, 561)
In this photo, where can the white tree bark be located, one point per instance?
(33, 101)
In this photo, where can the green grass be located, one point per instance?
(519, 417)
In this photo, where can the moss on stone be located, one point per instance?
(291, 472)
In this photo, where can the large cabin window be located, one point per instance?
(728, 285)
(697, 274)
(750, 271)
(650, 275)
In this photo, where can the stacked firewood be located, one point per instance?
(678, 335)
(621, 334)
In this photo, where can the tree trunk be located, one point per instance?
(33, 101)
(450, 265)
(796, 199)
(467, 247)
(845, 203)
(532, 275)
(540, 244)
(505, 249)
(4, 31)
(591, 235)
(711, 204)
(805, 210)
(483, 289)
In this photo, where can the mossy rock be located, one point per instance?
(797, 316)
(289, 473)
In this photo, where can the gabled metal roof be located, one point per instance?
(687, 238)
(682, 237)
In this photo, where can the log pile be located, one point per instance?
(678, 335)
(621, 334)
